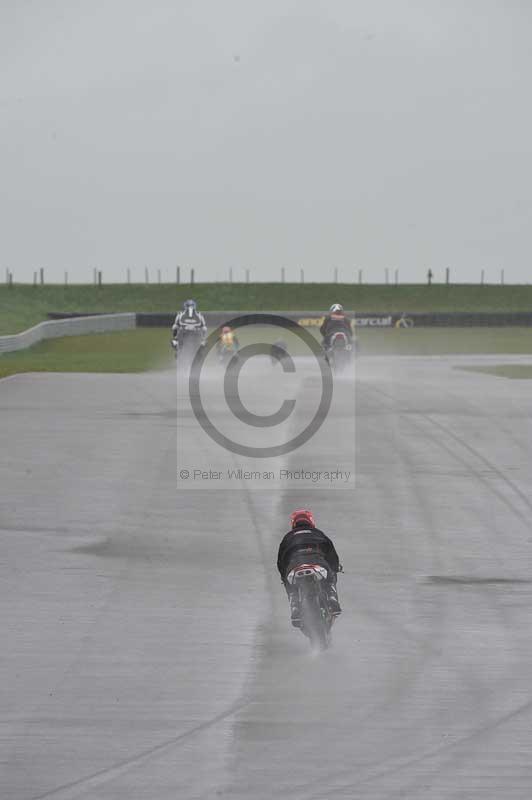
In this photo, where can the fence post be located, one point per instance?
(42, 276)
(10, 279)
(430, 276)
(447, 272)
(178, 274)
(192, 276)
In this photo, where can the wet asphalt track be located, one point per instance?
(146, 651)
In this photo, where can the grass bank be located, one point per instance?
(22, 306)
(446, 341)
(127, 351)
(520, 372)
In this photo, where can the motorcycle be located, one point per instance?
(188, 348)
(226, 351)
(316, 618)
(340, 352)
(279, 352)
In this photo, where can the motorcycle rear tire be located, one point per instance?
(315, 626)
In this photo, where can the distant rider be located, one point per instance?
(228, 341)
(188, 320)
(304, 543)
(336, 321)
(228, 338)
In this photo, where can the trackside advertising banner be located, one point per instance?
(307, 319)
(313, 319)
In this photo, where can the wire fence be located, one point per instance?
(189, 276)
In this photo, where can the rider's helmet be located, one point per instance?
(226, 329)
(336, 308)
(302, 517)
(189, 304)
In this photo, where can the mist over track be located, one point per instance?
(147, 651)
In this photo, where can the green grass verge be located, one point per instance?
(148, 348)
(127, 351)
(444, 341)
(22, 306)
(513, 371)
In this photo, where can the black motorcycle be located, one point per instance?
(316, 618)
(279, 353)
(340, 352)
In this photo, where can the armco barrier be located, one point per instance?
(67, 327)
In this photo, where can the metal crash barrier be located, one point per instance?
(54, 329)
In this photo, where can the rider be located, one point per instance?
(336, 321)
(228, 340)
(303, 542)
(189, 319)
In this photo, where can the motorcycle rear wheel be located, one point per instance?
(315, 625)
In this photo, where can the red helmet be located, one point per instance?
(226, 329)
(302, 516)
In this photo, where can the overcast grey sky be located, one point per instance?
(303, 133)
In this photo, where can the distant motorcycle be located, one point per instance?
(279, 352)
(316, 618)
(226, 353)
(340, 352)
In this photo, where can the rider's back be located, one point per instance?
(190, 320)
(336, 322)
(306, 540)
